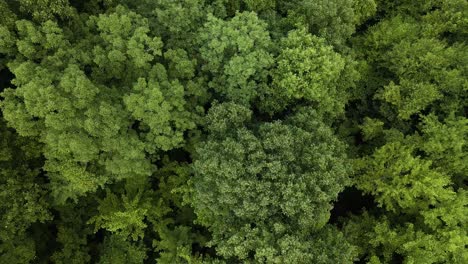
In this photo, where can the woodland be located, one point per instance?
(234, 131)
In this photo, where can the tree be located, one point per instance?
(265, 190)
(414, 104)
(23, 195)
(86, 124)
(309, 70)
(335, 21)
(236, 54)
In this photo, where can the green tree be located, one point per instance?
(24, 198)
(413, 102)
(335, 21)
(236, 54)
(265, 190)
(85, 119)
(309, 70)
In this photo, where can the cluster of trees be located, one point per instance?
(233, 131)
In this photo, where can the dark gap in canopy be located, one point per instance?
(6, 76)
(350, 201)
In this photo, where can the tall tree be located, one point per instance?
(265, 190)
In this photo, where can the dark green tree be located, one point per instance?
(265, 190)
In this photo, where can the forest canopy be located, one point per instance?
(233, 131)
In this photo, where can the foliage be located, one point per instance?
(235, 53)
(307, 69)
(261, 189)
(233, 131)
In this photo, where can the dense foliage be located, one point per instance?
(233, 131)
